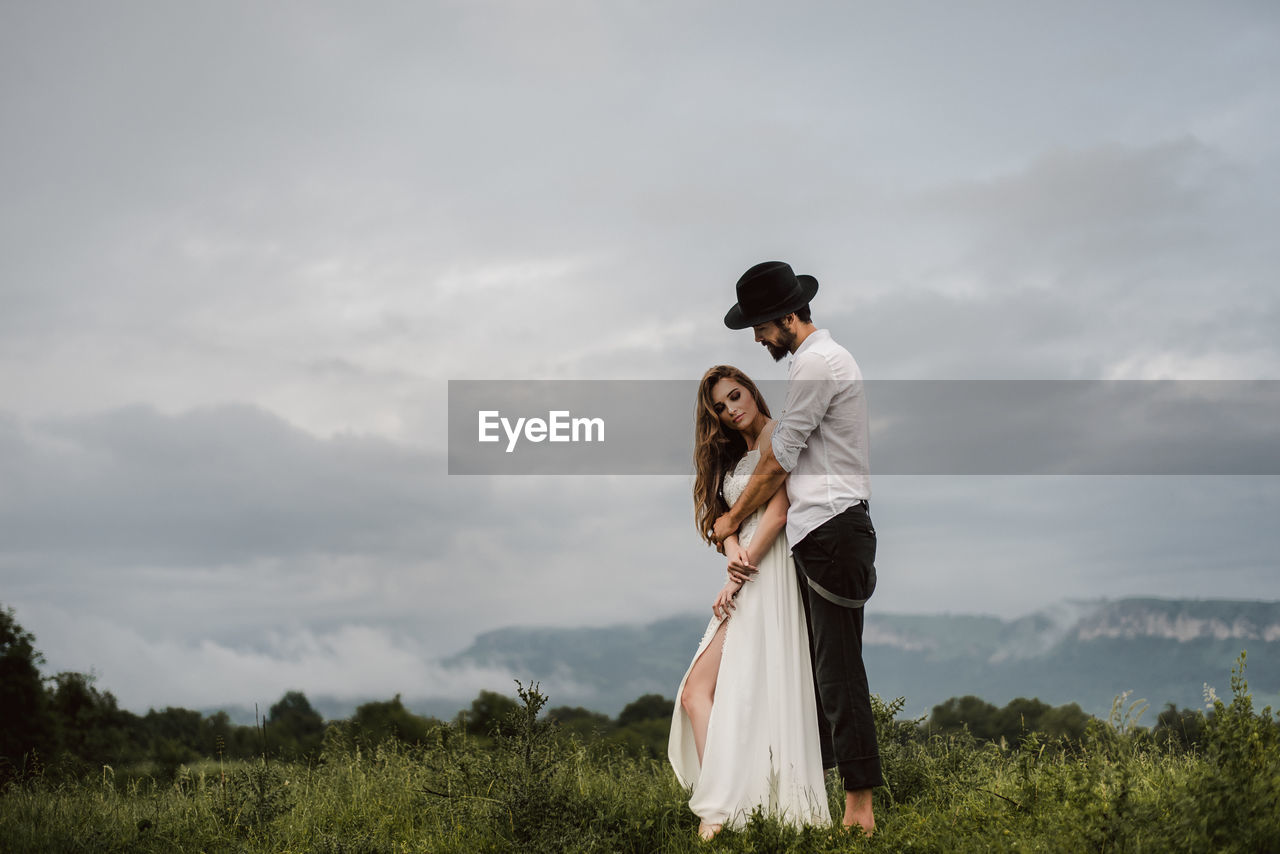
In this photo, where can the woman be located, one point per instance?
(744, 733)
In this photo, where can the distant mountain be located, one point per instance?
(1084, 652)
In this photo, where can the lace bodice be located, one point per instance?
(735, 483)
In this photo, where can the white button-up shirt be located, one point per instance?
(822, 437)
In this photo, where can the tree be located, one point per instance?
(378, 721)
(647, 738)
(1019, 717)
(582, 722)
(644, 726)
(293, 727)
(650, 707)
(1066, 721)
(488, 711)
(175, 735)
(1182, 729)
(24, 715)
(90, 725)
(958, 712)
(219, 736)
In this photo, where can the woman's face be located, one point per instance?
(733, 404)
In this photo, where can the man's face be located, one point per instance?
(777, 336)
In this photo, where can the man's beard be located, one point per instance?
(786, 340)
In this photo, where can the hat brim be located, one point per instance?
(735, 319)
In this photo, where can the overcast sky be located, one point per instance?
(245, 246)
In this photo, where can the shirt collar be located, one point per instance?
(814, 337)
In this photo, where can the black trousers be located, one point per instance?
(840, 555)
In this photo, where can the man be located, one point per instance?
(821, 439)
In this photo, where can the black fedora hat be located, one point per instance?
(768, 291)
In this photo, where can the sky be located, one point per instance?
(244, 248)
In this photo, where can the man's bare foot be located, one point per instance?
(857, 825)
(708, 831)
(857, 812)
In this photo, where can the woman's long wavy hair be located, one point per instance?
(716, 448)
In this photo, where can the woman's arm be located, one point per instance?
(742, 562)
(741, 567)
(740, 570)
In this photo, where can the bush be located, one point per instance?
(535, 787)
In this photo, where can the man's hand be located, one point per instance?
(724, 527)
(740, 567)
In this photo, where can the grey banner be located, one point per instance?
(942, 427)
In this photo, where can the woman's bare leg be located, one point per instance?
(697, 698)
(700, 688)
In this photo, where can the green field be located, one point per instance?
(535, 787)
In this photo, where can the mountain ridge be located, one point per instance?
(1083, 651)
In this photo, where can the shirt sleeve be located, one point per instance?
(809, 394)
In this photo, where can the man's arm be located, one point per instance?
(809, 395)
(765, 480)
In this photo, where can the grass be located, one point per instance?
(533, 788)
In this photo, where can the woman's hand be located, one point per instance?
(740, 566)
(724, 600)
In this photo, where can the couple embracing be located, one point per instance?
(777, 691)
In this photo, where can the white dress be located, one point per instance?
(762, 747)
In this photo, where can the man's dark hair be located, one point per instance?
(802, 314)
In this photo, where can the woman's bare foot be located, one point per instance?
(708, 831)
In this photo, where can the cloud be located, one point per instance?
(1009, 545)
(214, 484)
(353, 662)
(234, 292)
(1084, 264)
(229, 524)
(219, 555)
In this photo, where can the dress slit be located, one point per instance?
(762, 748)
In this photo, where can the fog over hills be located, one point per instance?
(1163, 651)
(1087, 652)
